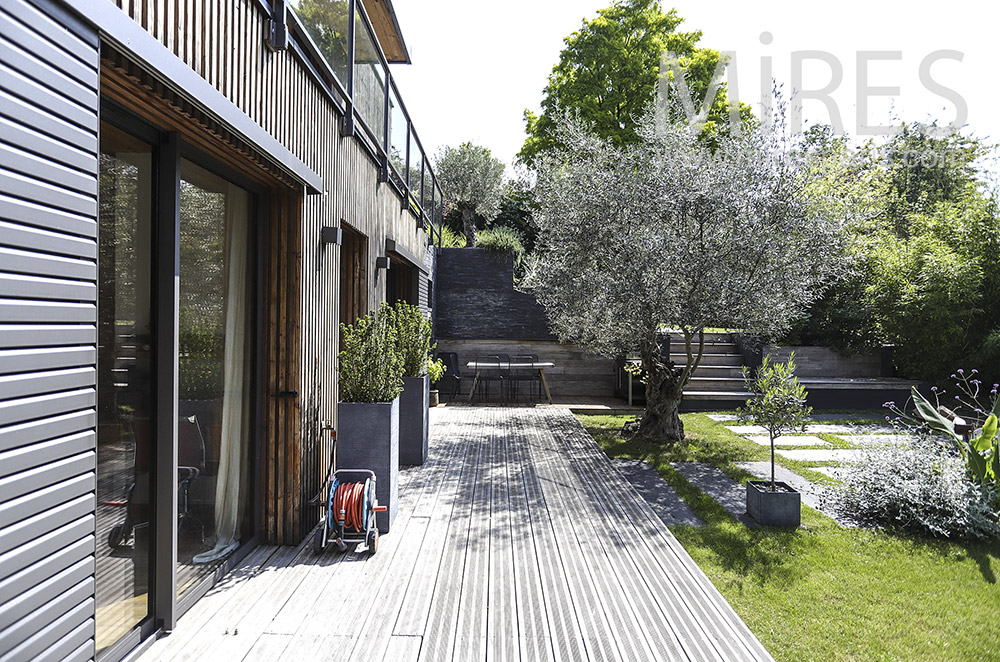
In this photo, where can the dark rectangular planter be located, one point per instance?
(781, 508)
(413, 410)
(368, 438)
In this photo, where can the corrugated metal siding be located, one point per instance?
(48, 313)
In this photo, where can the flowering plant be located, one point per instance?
(974, 432)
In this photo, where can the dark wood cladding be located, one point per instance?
(224, 42)
(281, 436)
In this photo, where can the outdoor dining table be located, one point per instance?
(540, 366)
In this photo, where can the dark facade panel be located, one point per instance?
(476, 299)
(49, 116)
(19, 311)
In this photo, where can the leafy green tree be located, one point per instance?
(671, 233)
(472, 181)
(609, 70)
(779, 404)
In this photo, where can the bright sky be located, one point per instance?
(478, 65)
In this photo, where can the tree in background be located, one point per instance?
(669, 232)
(472, 180)
(925, 252)
(608, 74)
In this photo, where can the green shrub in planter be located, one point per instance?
(370, 365)
(413, 338)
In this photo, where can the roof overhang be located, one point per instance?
(392, 246)
(386, 26)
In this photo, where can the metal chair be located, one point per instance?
(525, 374)
(489, 369)
(451, 373)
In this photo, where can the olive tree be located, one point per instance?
(670, 233)
(472, 180)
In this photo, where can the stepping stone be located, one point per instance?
(817, 428)
(657, 492)
(729, 493)
(821, 454)
(875, 439)
(832, 472)
(788, 440)
(812, 494)
(747, 429)
(723, 417)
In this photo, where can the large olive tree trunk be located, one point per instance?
(469, 225)
(661, 421)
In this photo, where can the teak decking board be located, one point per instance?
(518, 540)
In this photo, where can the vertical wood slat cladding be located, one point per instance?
(224, 40)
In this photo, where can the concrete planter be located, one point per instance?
(435, 397)
(368, 438)
(413, 407)
(781, 508)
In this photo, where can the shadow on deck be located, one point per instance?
(518, 540)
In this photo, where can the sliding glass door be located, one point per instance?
(125, 385)
(176, 270)
(214, 370)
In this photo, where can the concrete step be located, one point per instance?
(718, 384)
(710, 336)
(718, 371)
(710, 359)
(710, 348)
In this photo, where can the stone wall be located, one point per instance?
(476, 299)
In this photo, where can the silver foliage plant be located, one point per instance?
(923, 487)
(673, 233)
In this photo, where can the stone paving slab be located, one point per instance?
(788, 440)
(729, 494)
(657, 492)
(832, 472)
(747, 429)
(830, 428)
(875, 439)
(821, 454)
(812, 494)
(723, 417)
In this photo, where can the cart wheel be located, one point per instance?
(118, 535)
(372, 541)
(319, 541)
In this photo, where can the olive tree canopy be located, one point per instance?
(669, 233)
(472, 180)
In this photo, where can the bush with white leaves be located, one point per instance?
(921, 487)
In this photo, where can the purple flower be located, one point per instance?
(974, 371)
(960, 371)
(934, 388)
(958, 397)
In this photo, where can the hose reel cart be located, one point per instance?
(349, 506)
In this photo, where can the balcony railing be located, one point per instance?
(336, 41)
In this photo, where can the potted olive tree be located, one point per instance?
(370, 369)
(780, 407)
(413, 338)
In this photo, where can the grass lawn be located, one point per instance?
(824, 592)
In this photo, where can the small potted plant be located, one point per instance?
(780, 407)
(435, 371)
(413, 343)
(370, 369)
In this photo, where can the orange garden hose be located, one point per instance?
(349, 505)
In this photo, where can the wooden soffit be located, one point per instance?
(386, 26)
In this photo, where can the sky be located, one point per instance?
(476, 66)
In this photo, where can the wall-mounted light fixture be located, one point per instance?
(330, 235)
(382, 263)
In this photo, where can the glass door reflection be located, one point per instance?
(214, 372)
(125, 386)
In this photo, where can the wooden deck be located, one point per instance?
(518, 540)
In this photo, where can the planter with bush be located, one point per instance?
(779, 406)
(370, 369)
(413, 342)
